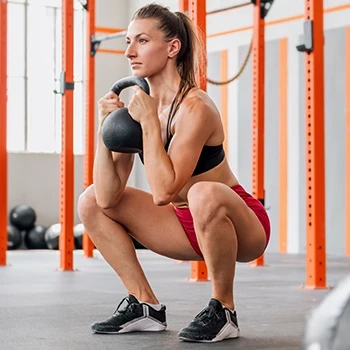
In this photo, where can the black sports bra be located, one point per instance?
(210, 157)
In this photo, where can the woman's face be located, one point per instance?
(147, 51)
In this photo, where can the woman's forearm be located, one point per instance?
(159, 169)
(108, 186)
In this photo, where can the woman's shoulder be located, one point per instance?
(200, 111)
(198, 99)
(199, 103)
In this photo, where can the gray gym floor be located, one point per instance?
(43, 308)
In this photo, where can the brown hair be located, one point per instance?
(191, 55)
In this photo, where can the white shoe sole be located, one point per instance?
(141, 325)
(229, 331)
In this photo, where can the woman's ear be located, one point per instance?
(174, 47)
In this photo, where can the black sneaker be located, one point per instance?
(134, 317)
(214, 323)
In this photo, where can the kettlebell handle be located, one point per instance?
(130, 81)
(121, 133)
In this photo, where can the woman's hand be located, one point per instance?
(107, 104)
(142, 106)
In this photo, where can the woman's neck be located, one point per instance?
(164, 86)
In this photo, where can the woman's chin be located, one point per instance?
(137, 73)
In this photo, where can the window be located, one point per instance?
(41, 64)
(16, 77)
(34, 110)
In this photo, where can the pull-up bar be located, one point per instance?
(264, 4)
(96, 42)
(229, 8)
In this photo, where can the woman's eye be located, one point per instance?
(143, 40)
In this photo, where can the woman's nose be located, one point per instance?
(130, 51)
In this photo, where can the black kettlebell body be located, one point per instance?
(121, 133)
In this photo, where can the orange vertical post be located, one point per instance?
(183, 6)
(258, 109)
(66, 240)
(224, 95)
(88, 246)
(283, 144)
(315, 166)
(3, 131)
(197, 12)
(347, 140)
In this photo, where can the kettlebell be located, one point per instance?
(121, 133)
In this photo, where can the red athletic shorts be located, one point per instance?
(185, 217)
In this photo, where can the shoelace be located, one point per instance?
(128, 307)
(205, 315)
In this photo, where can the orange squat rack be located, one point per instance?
(315, 154)
(258, 110)
(66, 239)
(197, 12)
(88, 246)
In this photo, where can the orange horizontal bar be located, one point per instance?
(226, 9)
(278, 21)
(337, 8)
(242, 29)
(115, 52)
(108, 30)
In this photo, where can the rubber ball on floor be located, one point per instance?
(35, 238)
(14, 237)
(23, 217)
(53, 233)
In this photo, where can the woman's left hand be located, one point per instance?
(142, 106)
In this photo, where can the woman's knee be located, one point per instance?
(87, 205)
(205, 204)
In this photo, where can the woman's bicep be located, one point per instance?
(187, 144)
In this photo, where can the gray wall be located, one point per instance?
(335, 140)
(302, 154)
(213, 73)
(34, 179)
(245, 113)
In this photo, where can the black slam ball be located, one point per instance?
(22, 217)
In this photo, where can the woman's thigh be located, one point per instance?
(155, 227)
(250, 233)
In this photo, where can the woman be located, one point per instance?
(196, 210)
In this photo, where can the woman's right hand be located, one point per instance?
(107, 104)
